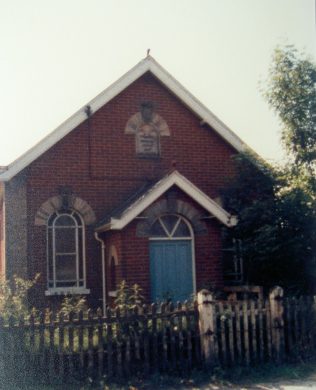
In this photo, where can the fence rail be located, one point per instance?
(257, 330)
(159, 337)
(147, 339)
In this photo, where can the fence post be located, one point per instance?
(206, 326)
(277, 322)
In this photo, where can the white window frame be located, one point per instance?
(80, 283)
(170, 235)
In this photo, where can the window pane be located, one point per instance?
(50, 253)
(50, 284)
(157, 230)
(65, 267)
(64, 220)
(182, 230)
(80, 253)
(169, 221)
(65, 240)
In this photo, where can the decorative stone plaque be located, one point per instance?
(148, 127)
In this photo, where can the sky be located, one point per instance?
(55, 56)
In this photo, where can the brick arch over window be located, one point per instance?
(174, 207)
(54, 204)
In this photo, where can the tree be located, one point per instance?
(276, 205)
(276, 226)
(291, 92)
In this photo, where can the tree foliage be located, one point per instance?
(291, 93)
(13, 296)
(276, 205)
(276, 226)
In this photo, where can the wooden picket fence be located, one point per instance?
(254, 331)
(163, 338)
(120, 343)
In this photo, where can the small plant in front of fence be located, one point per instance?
(136, 297)
(122, 297)
(73, 304)
(129, 297)
(128, 303)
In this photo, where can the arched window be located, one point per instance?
(170, 227)
(66, 252)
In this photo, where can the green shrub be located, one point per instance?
(14, 297)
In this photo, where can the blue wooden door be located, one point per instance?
(171, 270)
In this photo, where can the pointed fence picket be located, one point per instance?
(158, 338)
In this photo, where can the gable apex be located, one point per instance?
(148, 64)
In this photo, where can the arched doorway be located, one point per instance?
(172, 272)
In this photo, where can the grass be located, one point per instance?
(234, 378)
(269, 372)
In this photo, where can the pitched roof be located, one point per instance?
(122, 216)
(148, 64)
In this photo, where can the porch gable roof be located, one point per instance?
(122, 217)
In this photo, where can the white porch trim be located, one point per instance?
(175, 178)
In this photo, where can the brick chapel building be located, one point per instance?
(126, 189)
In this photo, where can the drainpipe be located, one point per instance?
(96, 236)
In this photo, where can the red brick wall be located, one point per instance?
(207, 248)
(101, 166)
(133, 254)
(134, 259)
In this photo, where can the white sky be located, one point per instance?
(57, 55)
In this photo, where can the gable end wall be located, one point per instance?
(98, 162)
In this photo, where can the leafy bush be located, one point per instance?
(13, 296)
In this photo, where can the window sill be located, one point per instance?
(67, 290)
(113, 294)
